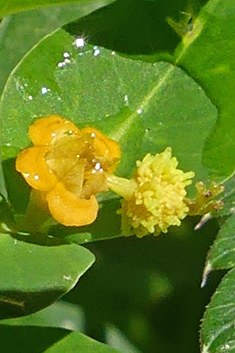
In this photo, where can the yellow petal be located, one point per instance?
(32, 165)
(48, 129)
(70, 210)
(104, 146)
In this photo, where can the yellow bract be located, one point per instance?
(69, 166)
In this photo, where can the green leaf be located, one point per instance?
(218, 323)
(59, 314)
(153, 105)
(3, 191)
(228, 196)
(28, 27)
(145, 107)
(29, 339)
(49, 340)
(13, 6)
(34, 276)
(222, 253)
(208, 54)
(116, 338)
(217, 333)
(77, 342)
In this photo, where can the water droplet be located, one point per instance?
(36, 177)
(96, 51)
(26, 175)
(61, 64)
(66, 60)
(113, 53)
(8, 144)
(139, 111)
(44, 90)
(53, 134)
(126, 99)
(98, 166)
(30, 97)
(232, 210)
(147, 131)
(19, 86)
(79, 42)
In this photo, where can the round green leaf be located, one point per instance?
(28, 27)
(145, 107)
(13, 6)
(34, 276)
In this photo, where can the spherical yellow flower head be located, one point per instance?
(158, 199)
(69, 166)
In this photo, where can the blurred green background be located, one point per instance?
(148, 289)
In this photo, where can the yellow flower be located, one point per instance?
(154, 197)
(68, 166)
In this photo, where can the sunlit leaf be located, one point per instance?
(208, 55)
(13, 6)
(145, 107)
(21, 31)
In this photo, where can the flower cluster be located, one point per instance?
(68, 166)
(156, 195)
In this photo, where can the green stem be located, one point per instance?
(37, 211)
(123, 187)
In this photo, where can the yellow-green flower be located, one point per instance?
(154, 197)
(66, 167)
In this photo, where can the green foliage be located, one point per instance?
(50, 340)
(31, 276)
(14, 6)
(45, 20)
(212, 67)
(141, 85)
